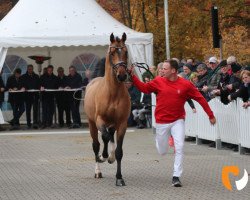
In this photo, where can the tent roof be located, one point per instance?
(62, 23)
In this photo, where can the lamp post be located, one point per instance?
(39, 61)
(167, 28)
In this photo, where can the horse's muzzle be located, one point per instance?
(122, 77)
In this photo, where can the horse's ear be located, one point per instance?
(112, 38)
(124, 37)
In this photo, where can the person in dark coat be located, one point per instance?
(63, 99)
(48, 81)
(99, 70)
(74, 82)
(31, 81)
(2, 89)
(222, 89)
(16, 99)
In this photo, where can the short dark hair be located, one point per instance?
(17, 71)
(50, 66)
(73, 67)
(30, 66)
(173, 64)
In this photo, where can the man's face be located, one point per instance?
(30, 70)
(60, 73)
(72, 71)
(167, 70)
(201, 72)
(186, 70)
(17, 75)
(224, 69)
(212, 65)
(49, 70)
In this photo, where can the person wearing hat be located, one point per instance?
(222, 89)
(213, 77)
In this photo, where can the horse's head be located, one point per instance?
(118, 56)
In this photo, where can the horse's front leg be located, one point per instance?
(119, 154)
(111, 158)
(105, 137)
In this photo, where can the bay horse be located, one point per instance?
(107, 106)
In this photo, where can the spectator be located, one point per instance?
(31, 81)
(87, 78)
(75, 82)
(63, 99)
(187, 69)
(135, 96)
(16, 99)
(48, 82)
(143, 108)
(2, 89)
(159, 69)
(222, 89)
(244, 91)
(194, 78)
(213, 78)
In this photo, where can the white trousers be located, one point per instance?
(177, 130)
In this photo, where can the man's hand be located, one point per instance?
(204, 89)
(213, 121)
(131, 70)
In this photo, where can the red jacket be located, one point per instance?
(171, 97)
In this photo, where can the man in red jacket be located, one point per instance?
(171, 94)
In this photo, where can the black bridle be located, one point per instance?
(119, 63)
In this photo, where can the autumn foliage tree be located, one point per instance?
(190, 26)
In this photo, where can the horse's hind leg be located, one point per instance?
(96, 148)
(111, 158)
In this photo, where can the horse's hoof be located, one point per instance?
(111, 161)
(120, 182)
(98, 175)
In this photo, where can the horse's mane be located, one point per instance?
(99, 69)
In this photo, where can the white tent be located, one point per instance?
(64, 28)
(58, 23)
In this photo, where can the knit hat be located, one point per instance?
(223, 63)
(189, 66)
(235, 67)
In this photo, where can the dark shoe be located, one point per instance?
(61, 125)
(212, 144)
(43, 127)
(35, 126)
(176, 182)
(14, 127)
(74, 126)
(11, 122)
(2, 129)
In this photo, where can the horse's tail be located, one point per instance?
(99, 70)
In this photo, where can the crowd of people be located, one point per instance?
(29, 92)
(225, 79)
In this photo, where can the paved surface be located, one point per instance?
(61, 166)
